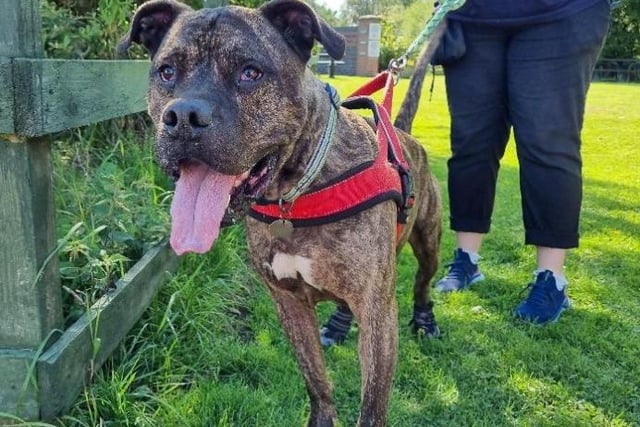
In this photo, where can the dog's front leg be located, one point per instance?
(377, 317)
(299, 322)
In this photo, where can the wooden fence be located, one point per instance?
(617, 70)
(43, 368)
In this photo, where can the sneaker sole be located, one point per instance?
(327, 341)
(565, 305)
(475, 279)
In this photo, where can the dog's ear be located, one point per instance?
(150, 24)
(300, 27)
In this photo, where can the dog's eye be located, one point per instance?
(166, 73)
(250, 74)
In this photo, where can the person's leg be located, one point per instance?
(476, 93)
(468, 241)
(549, 71)
(551, 259)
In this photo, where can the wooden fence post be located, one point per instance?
(29, 287)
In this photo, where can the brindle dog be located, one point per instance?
(238, 116)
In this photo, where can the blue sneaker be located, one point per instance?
(462, 273)
(545, 302)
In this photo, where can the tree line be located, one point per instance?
(402, 19)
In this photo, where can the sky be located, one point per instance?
(333, 4)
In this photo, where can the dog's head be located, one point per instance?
(226, 95)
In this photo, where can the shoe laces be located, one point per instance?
(457, 270)
(539, 296)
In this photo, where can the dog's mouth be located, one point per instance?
(205, 199)
(248, 187)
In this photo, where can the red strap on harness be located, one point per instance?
(385, 129)
(374, 184)
(378, 182)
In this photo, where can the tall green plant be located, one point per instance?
(102, 227)
(93, 35)
(114, 200)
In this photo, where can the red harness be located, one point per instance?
(385, 178)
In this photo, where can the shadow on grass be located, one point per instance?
(490, 369)
(228, 352)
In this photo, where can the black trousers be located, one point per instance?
(533, 79)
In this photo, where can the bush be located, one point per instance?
(623, 40)
(112, 206)
(93, 35)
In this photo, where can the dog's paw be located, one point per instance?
(431, 332)
(424, 323)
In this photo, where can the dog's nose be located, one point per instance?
(187, 115)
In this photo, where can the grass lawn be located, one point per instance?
(210, 351)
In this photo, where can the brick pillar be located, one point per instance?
(369, 29)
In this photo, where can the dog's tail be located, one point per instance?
(409, 106)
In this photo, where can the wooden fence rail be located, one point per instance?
(42, 367)
(617, 70)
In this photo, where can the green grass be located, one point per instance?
(210, 351)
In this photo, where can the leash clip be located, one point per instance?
(396, 66)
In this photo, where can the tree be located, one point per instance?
(327, 14)
(623, 40)
(400, 26)
(357, 8)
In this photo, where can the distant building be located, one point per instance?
(362, 50)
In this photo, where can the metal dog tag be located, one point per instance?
(281, 229)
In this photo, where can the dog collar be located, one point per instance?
(319, 156)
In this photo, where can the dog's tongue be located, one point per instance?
(199, 203)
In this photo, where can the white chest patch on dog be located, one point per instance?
(286, 266)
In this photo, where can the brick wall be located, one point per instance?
(361, 53)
